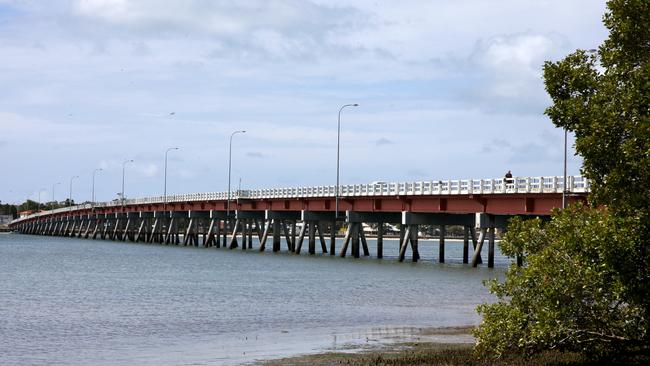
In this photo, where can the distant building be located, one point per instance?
(22, 214)
(5, 219)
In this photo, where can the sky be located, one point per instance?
(446, 90)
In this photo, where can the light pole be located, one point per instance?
(53, 199)
(123, 168)
(165, 189)
(229, 171)
(71, 179)
(338, 159)
(93, 192)
(38, 208)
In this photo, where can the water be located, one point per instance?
(78, 302)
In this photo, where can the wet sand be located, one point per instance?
(380, 343)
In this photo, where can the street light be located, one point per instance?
(71, 179)
(38, 208)
(338, 154)
(123, 168)
(53, 199)
(229, 171)
(93, 194)
(165, 191)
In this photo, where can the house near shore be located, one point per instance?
(25, 213)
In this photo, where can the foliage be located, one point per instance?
(28, 205)
(8, 209)
(567, 296)
(607, 106)
(585, 284)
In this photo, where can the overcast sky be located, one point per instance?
(447, 90)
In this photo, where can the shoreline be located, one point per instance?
(380, 341)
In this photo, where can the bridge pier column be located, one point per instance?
(218, 218)
(233, 240)
(402, 236)
(333, 230)
(380, 240)
(115, 235)
(109, 223)
(287, 236)
(478, 248)
(169, 229)
(68, 227)
(465, 244)
(355, 238)
(91, 221)
(228, 226)
(364, 242)
(144, 223)
(172, 231)
(80, 228)
(219, 231)
(244, 233)
(441, 251)
(301, 237)
(312, 237)
(276, 235)
(208, 239)
(293, 236)
(491, 247)
(265, 234)
(346, 241)
(83, 226)
(410, 236)
(126, 233)
(250, 233)
(65, 227)
(203, 232)
(189, 233)
(96, 230)
(156, 229)
(404, 241)
(320, 230)
(414, 243)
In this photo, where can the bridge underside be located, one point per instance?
(295, 221)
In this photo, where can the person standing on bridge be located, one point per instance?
(508, 178)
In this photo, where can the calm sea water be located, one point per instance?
(90, 302)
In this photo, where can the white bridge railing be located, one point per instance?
(516, 185)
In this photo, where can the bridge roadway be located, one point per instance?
(480, 206)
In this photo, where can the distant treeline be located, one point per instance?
(29, 205)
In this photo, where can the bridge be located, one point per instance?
(480, 206)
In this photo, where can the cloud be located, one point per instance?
(383, 141)
(495, 145)
(149, 170)
(275, 27)
(254, 154)
(95, 81)
(507, 72)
